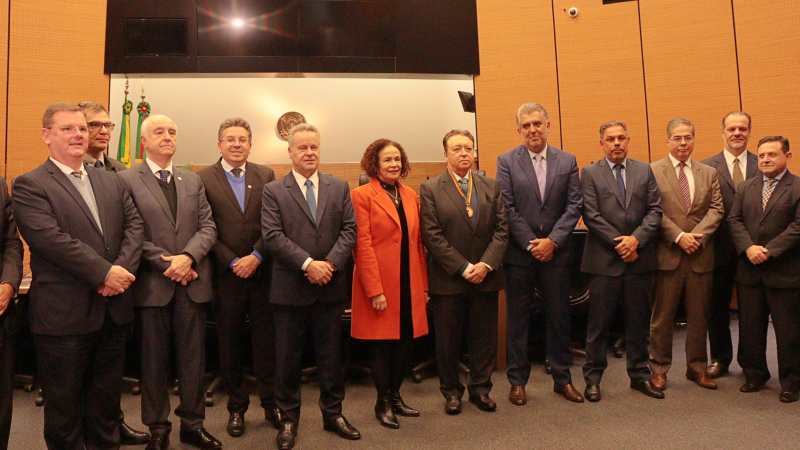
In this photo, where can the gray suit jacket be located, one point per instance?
(70, 256)
(192, 232)
(451, 240)
(531, 217)
(291, 236)
(724, 250)
(608, 216)
(111, 164)
(11, 254)
(777, 227)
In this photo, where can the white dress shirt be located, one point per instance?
(742, 162)
(301, 181)
(155, 168)
(689, 178)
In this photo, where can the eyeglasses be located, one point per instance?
(678, 139)
(96, 126)
(71, 130)
(230, 140)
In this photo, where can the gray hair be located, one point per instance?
(612, 123)
(299, 128)
(676, 122)
(47, 117)
(738, 113)
(234, 122)
(530, 108)
(155, 117)
(92, 107)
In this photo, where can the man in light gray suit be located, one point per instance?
(309, 228)
(173, 284)
(622, 209)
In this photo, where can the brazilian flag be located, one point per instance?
(144, 113)
(124, 150)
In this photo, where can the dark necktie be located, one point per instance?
(767, 192)
(99, 164)
(620, 180)
(684, 184)
(237, 172)
(464, 183)
(312, 201)
(737, 173)
(164, 174)
(77, 174)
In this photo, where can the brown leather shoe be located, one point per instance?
(702, 379)
(659, 381)
(568, 391)
(716, 370)
(517, 395)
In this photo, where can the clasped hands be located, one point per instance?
(757, 254)
(118, 280)
(627, 248)
(476, 273)
(180, 268)
(320, 272)
(690, 242)
(542, 249)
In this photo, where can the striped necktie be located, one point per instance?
(684, 184)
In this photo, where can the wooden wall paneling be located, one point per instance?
(600, 76)
(3, 80)
(518, 65)
(690, 69)
(767, 36)
(55, 54)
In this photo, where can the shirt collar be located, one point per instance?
(779, 176)
(459, 178)
(612, 164)
(68, 170)
(228, 167)
(729, 157)
(301, 180)
(675, 162)
(543, 152)
(155, 167)
(89, 159)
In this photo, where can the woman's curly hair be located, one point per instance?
(370, 164)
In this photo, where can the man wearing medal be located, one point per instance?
(464, 228)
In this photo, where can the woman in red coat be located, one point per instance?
(390, 285)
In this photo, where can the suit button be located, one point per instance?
(319, 238)
(245, 222)
(108, 248)
(176, 233)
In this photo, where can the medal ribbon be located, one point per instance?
(467, 199)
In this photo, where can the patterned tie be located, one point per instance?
(99, 164)
(77, 174)
(464, 183)
(684, 183)
(767, 192)
(620, 180)
(541, 176)
(737, 173)
(237, 172)
(312, 202)
(164, 174)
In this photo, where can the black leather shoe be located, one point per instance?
(452, 405)
(548, 369)
(236, 424)
(399, 407)
(592, 392)
(646, 387)
(384, 414)
(286, 436)
(483, 402)
(158, 443)
(789, 396)
(751, 386)
(201, 439)
(274, 416)
(129, 436)
(342, 427)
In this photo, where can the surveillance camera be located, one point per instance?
(573, 12)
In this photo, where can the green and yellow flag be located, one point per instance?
(144, 113)
(124, 149)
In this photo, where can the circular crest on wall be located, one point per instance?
(287, 121)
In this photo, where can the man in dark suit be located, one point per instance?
(241, 271)
(765, 227)
(692, 204)
(464, 228)
(100, 128)
(622, 209)
(734, 165)
(542, 193)
(309, 228)
(173, 284)
(10, 278)
(85, 238)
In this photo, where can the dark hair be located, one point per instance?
(612, 123)
(674, 123)
(234, 122)
(784, 142)
(370, 164)
(452, 133)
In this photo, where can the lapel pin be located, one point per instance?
(180, 178)
(249, 186)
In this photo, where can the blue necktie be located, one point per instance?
(620, 180)
(312, 202)
(164, 174)
(464, 183)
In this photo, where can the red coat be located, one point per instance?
(377, 257)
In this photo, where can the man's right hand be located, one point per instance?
(119, 279)
(6, 293)
(757, 254)
(690, 242)
(319, 272)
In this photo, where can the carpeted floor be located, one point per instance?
(689, 417)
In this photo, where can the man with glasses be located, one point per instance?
(100, 128)
(692, 204)
(85, 237)
(242, 271)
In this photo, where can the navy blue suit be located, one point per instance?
(532, 217)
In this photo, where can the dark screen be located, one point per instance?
(348, 28)
(154, 37)
(247, 28)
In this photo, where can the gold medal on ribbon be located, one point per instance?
(467, 199)
(470, 212)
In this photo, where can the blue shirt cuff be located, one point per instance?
(234, 262)
(257, 255)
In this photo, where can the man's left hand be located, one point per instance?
(246, 266)
(478, 273)
(180, 265)
(6, 292)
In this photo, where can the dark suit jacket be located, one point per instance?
(450, 239)
(531, 217)
(777, 227)
(724, 250)
(11, 253)
(238, 232)
(110, 164)
(608, 216)
(192, 232)
(70, 257)
(291, 236)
